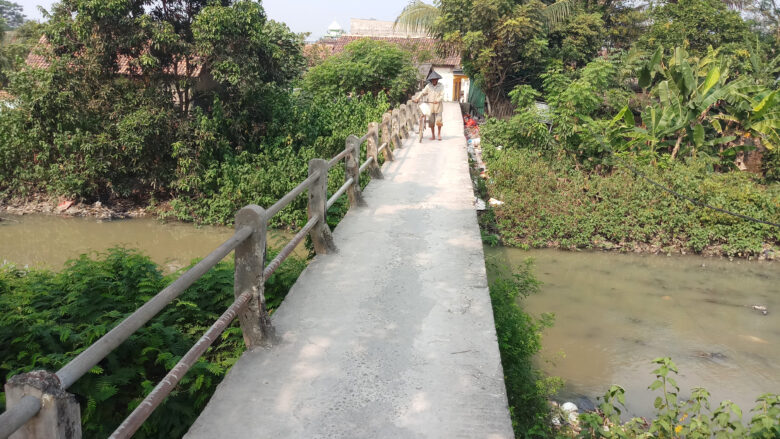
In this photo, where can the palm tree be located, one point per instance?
(419, 16)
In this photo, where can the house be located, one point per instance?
(422, 47)
(6, 100)
(192, 68)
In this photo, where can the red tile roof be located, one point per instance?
(124, 63)
(418, 46)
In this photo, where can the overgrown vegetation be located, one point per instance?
(519, 339)
(678, 417)
(195, 108)
(692, 116)
(552, 204)
(47, 318)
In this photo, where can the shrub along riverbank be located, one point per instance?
(48, 318)
(551, 203)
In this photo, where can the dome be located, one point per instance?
(335, 27)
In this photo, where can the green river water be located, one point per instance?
(615, 313)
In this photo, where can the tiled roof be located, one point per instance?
(415, 45)
(124, 63)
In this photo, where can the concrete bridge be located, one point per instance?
(388, 333)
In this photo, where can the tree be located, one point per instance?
(11, 15)
(696, 25)
(365, 67)
(502, 44)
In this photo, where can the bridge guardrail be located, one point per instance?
(38, 405)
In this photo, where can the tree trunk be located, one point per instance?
(500, 105)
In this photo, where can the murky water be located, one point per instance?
(49, 241)
(616, 313)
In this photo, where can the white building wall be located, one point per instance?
(446, 80)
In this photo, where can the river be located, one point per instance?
(615, 313)
(44, 241)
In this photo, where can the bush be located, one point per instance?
(365, 67)
(681, 418)
(519, 339)
(551, 204)
(47, 318)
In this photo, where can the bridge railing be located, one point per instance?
(38, 405)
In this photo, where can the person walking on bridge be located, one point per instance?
(433, 93)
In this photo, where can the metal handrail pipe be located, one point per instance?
(18, 415)
(339, 192)
(288, 249)
(85, 361)
(384, 145)
(366, 164)
(133, 422)
(290, 196)
(338, 157)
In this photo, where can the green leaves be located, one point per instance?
(680, 418)
(64, 312)
(365, 66)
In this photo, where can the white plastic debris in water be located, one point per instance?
(494, 202)
(480, 204)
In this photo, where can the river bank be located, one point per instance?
(541, 203)
(122, 209)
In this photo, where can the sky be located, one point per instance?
(301, 15)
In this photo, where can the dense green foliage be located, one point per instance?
(519, 339)
(196, 108)
(550, 203)
(365, 66)
(14, 46)
(677, 417)
(47, 318)
(11, 15)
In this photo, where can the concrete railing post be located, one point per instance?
(352, 170)
(318, 205)
(403, 115)
(250, 262)
(397, 123)
(388, 151)
(394, 132)
(411, 107)
(60, 415)
(372, 150)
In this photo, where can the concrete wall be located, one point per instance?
(377, 28)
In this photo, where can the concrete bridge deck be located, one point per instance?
(393, 336)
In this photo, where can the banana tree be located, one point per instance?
(688, 96)
(756, 117)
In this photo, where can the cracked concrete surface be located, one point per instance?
(393, 336)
